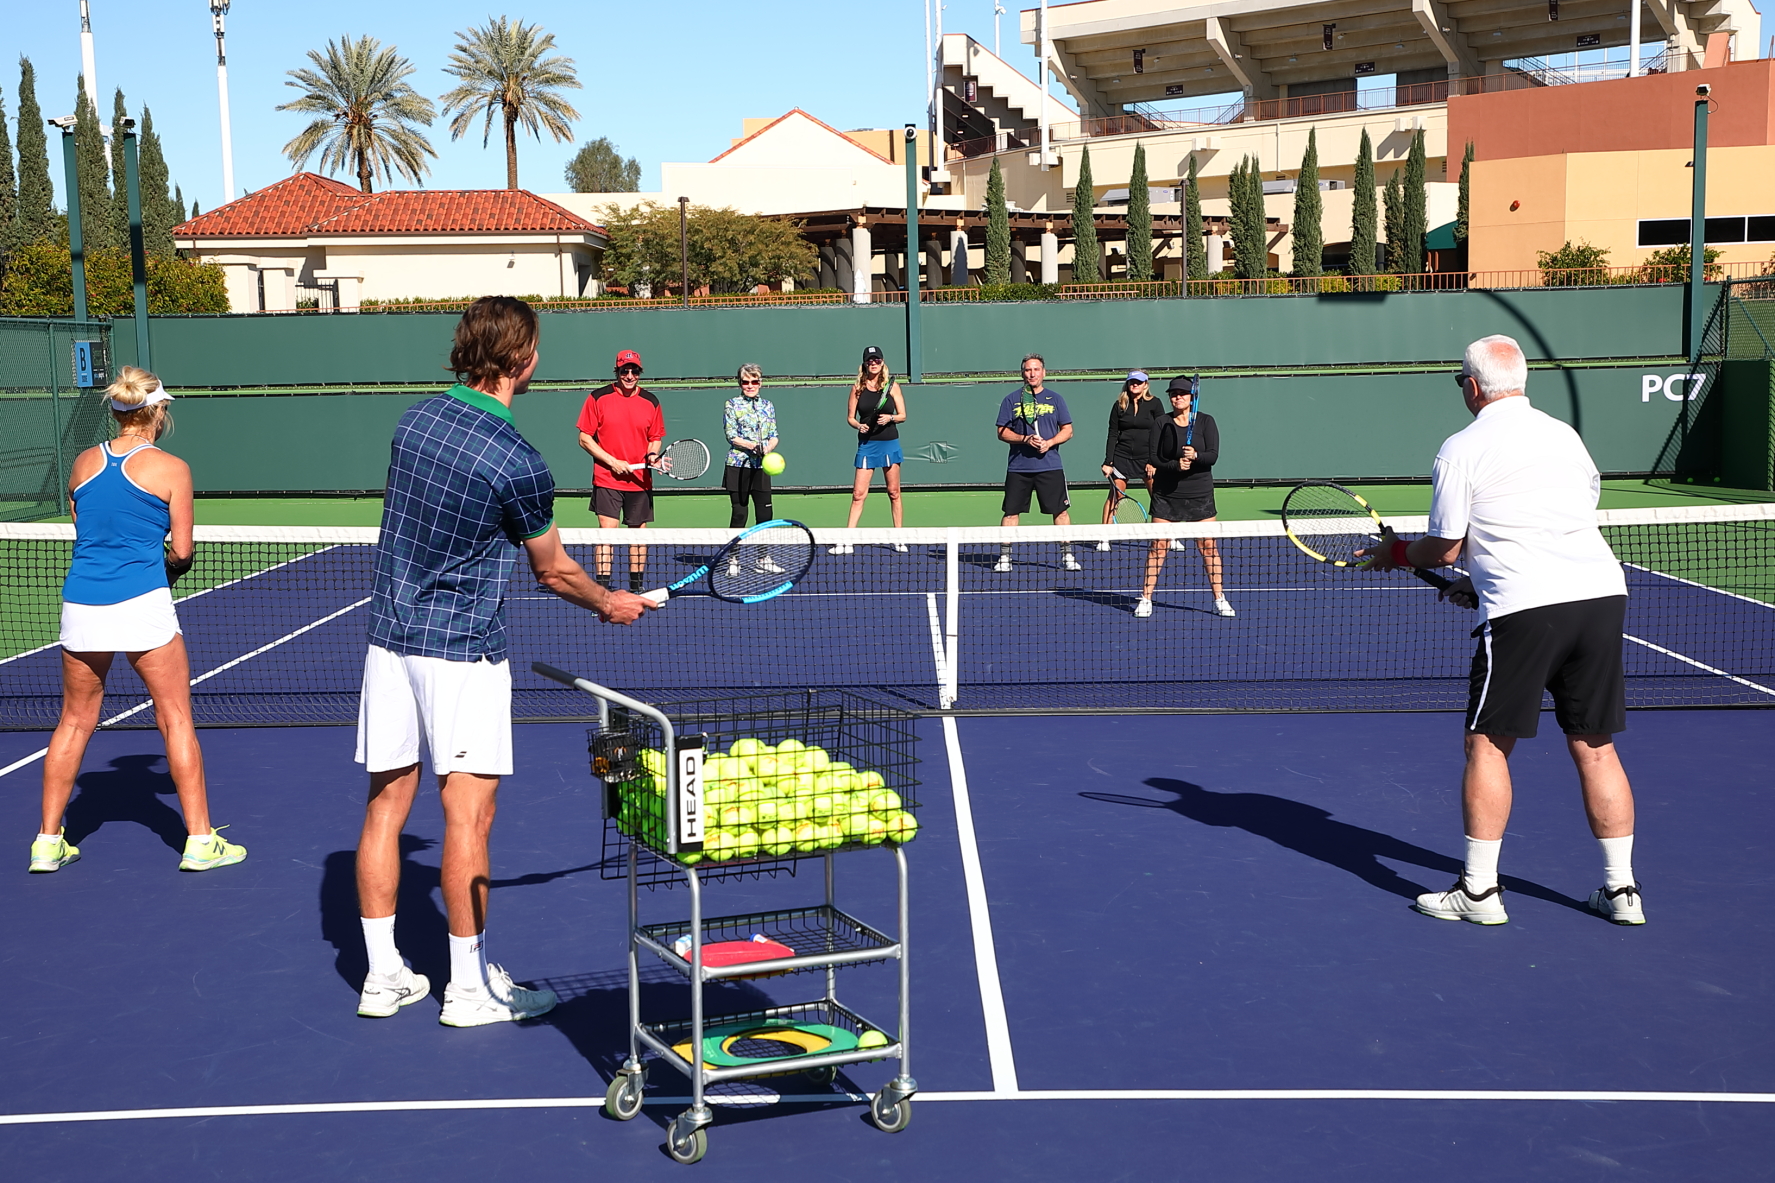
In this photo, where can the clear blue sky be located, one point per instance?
(665, 81)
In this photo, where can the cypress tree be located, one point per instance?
(119, 212)
(35, 213)
(1362, 260)
(8, 180)
(1195, 250)
(1140, 220)
(1394, 206)
(194, 210)
(95, 188)
(1309, 212)
(1461, 205)
(160, 213)
(1087, 257)
(1417, 212)
(1250, 237)
(998, 228)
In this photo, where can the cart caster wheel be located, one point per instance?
(825, 1075)
(683, 1147)
(890, 1118)
(623, 1100)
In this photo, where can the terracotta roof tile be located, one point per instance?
(307, 204)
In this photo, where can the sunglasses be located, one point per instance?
(1461, 378)
(627, 370)
(751, 382)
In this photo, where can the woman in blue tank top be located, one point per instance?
(128, 497)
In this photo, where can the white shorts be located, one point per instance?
(463, 708)
(136, 625)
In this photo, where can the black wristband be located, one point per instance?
(176, 568)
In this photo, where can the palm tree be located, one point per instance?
(367, 113)
(502, 68)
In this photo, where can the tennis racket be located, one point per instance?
(1126, 511)
(1330, 524)
(758, 565)
(682, 460)
(1195, 407)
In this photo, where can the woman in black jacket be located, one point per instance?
(1182, 475)
(1132, 418)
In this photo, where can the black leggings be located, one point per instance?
(742, 483)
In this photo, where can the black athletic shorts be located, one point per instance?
(1572, 650)
(634, 507)
(1183, 509)
(1049, 488)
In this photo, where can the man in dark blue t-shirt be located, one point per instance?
(1035, 422)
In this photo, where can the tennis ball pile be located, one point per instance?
(760, 799)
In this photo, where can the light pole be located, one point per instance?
(914, 263)
(1698, 232)
(76, 242)
(219, 10)
(684, 248)
(88, 67)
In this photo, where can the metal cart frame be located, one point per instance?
(848, 941)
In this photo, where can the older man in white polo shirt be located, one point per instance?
(1517, 491)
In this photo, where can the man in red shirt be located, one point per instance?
(623, 428)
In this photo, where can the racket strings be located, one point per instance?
(761, 562)
(688, 459)
(1329, 522)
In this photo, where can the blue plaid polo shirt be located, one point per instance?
(464, 492)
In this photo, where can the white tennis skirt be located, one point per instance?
(136, 625)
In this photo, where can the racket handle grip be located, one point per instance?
(1430, 577)
(658, 595)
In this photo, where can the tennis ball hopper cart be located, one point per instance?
(699, 793)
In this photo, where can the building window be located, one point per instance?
(1675, 231)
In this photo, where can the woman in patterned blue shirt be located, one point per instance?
(750, 423)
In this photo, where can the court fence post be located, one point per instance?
(952, 620)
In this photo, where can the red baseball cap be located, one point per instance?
(628, 357)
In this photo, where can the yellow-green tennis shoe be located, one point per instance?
(208, 851)
(52, 854)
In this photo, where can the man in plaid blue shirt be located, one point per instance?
(465, 493)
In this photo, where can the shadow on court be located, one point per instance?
(421, 930)
(1310, 830)
(130, 791)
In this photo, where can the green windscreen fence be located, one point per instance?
(46, 417)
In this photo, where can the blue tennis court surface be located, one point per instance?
(1196, 960)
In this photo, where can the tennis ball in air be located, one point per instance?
(774, 463)
(869, 1039)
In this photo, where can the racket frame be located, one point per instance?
(686, 586)
(707, 458)
(1439, 582)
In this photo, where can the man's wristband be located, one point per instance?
(1400, 546)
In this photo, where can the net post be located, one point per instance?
(952, 619)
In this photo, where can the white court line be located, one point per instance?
(1718, 591)
(204, 677)
(992, 998)
(1699, 665)
(499, 1103)
(930, 602)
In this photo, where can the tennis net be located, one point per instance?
(275, 622)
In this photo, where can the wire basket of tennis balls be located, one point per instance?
(834, 772)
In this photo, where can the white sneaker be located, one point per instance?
(1458, 904)
(384, 994)
(1067, 562)
(498, 1002)
(1621, 905)
(900, 547)
(1179, 544)
(1143, 607)
(1003, 566)
(770, 566)
(1103, 544)
(843, 548)
(1222, 607)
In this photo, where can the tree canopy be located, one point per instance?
(599, 168)
(505, 67)
(367, 112)
(730, 252)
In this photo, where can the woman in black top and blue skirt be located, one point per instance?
(876, 409)
(1181, 464)
(1132, 418)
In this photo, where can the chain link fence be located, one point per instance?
(47, 417)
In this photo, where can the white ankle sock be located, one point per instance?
(47, 837)
(1617, 861)
(1481, 871)
(468, 961)
(385, 958)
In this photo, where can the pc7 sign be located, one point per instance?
(1675, 387)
